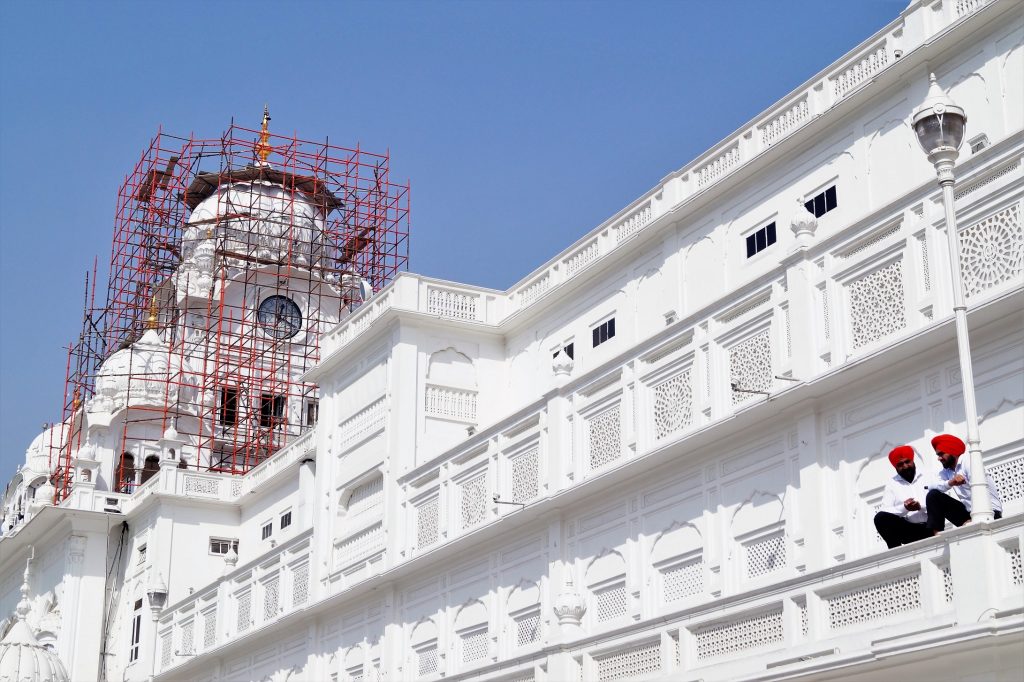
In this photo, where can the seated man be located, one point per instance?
(955, 476)
(903, 518)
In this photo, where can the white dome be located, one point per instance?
(137, 375)
(258, 220)
(37, 457)
(22, 657)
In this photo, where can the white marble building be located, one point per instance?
(657, 456)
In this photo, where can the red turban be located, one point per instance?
(951, 445)
(901, 453)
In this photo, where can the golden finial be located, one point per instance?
(152, 320)
(263, 146)
(75, 400)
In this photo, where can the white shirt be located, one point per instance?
(963, 492)
(898, 489)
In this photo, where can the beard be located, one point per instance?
(908, 473)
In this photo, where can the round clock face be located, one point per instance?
(280, 317)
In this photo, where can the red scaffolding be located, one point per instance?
(217, 243)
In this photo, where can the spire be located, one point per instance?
(24, 606)
(263, 146)
(22, 657)
(151, 321)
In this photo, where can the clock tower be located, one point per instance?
(223, 281)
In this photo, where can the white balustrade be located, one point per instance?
(581, 258)
(873, 60)
(783, 122)
(453, 403)
(262, 591)
(632, 224)
(453, 304)
(718, 167)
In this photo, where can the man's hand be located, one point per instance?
(958, 480)
(910, 504)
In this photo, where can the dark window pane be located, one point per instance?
(771, 233)
(819, 205)
(761, 236)
(809, 206)
(597, 336)
(751, 246)
(228, 406)
(569, 351)
(831, 200)
(611, 328)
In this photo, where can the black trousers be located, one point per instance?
(896, 530)
(942, 507)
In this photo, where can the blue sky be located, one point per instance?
(520, 125)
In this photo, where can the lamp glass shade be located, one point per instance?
(939, 131)
(157, 598)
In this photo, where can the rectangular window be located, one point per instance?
(312, 411)
(271, 409)
(286, 520)
(603, 332)
(221, 546)
(268, 530)
(761, 239)
(822, 203)
(133, 647)
(142, 555)
(229, 406)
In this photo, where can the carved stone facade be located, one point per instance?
(502, 487)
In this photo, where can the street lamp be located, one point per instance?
(157, 594)
(940, 125)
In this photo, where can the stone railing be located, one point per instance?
(453, 304)
(302, 447)
(827, 89)
(455, 493)
(450, 403)
(821, 620)
(224, 487)
(358, 321)
(252, 596)
(870, 62)
(423, 295)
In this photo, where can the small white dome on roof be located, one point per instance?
(22, 657)
(145, 373)
(37, 457)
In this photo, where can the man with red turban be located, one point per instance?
(903, 518)
(956, 476)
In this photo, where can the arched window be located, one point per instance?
(606, 580)
(423, 648)
(151, 466)
(524, 613)
(125, 473)
(472, 632)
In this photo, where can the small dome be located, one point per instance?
(37, 457)
(22, 657)
(256, 220)
(137, 375)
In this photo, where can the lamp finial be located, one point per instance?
(263, 146)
